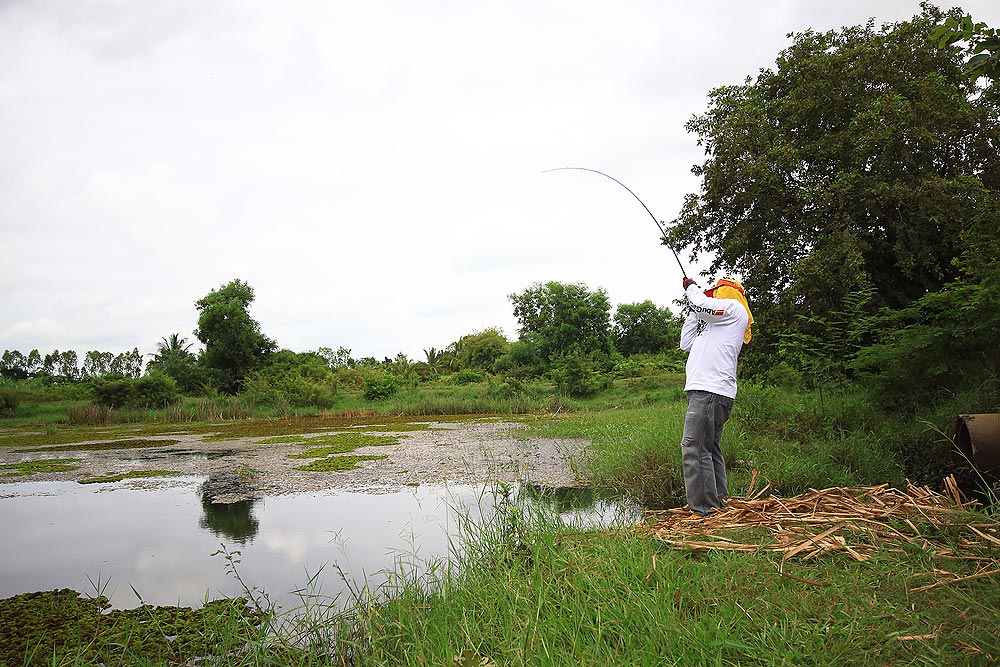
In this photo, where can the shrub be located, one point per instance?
(783, 375)
(292, 388)
(522, 360)
(467, 376)
(155, 390)
(379, 386)
(508, 388)
(575, 375)
(8, 401)
(112, 393)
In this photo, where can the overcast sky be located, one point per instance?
(372, 169)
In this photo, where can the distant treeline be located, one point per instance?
(567, 337)
(15, 365)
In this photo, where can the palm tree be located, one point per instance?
(173, 345)
(435, 358)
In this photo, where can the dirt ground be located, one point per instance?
(462, 452)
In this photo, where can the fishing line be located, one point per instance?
(658, 224)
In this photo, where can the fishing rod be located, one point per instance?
(658, 223)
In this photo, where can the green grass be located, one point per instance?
(793, 442)
(551, 598)
(55, 435)
(634, 451)
(45, 412)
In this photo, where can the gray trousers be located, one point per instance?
(704, 466)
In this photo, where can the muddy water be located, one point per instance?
(160, 546)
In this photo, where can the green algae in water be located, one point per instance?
(251, 428)
(337, 463)
(284, 440)
(79, 434)
(29, 436)
(32, 467)
(134, 474)
(63, 627)
(135, 443)
(402, 427)
(342, 443)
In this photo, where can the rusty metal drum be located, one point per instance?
(978, 438)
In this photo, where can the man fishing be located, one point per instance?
(715, 330)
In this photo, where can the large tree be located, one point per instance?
(563, 318)
(860, 160)
(234, 344)
(643, 328)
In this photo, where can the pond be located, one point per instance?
(168, 546)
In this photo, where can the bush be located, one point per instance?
(379, 386)
(112, 393)
(295, 389)
(9, 401)
(575, 375)
(783, 375)
(467, 376)
(507, 388)
(155, 390)
(522, 360)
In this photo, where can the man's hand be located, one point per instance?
(688, 282)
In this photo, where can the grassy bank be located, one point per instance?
(41, 404)
(553, 598)
(525, 590)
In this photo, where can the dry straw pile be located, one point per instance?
(856, 522)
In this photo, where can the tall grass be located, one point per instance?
(610, 600)
(528, 591)
(791, 438)
(633, 451)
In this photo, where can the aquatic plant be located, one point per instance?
(63, 627)
(133, 474)
(342, 444)
(42, 465)
(337, 463)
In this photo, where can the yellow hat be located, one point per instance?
(730, 288)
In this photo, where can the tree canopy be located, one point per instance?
(563, 318)
(234, 344)
(866, 157)
(643, 328)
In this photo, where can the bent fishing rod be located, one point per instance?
(658, 223)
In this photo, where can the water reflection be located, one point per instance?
(580, 506)
(233, 520)
(159, 543)
(227, 502)
(560, 498)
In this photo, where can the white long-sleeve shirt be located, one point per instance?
(715, 346)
